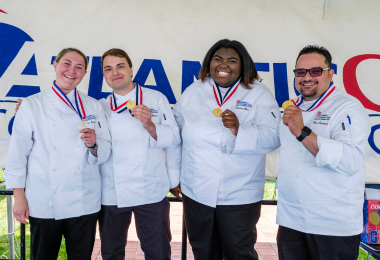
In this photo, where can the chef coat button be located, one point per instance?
(78, 168)
(54, 170)
(118, 182)
(218, 149)
(53, 148)
(79, 189)
(115, 142)
(299, 201)
(297, 176)
(52, 125)
(54, 192)
(300, 151)
(116, 162)
(138, 161)
(139, 180)
(199, 124)
(78, 145)
(136, 140)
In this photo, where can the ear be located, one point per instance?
(54, 64)
(331, 74)
(131, 72)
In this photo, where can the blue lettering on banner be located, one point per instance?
(264, 67)
(190, 69)
(280, 76)
(22, 91)
(96, 80)
(31, 68)
(162, 81)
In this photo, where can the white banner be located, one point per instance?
(168, 39)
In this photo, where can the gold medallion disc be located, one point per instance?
(217, 111)
(131, 104)
(286, 104)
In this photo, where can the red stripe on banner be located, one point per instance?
(1, 11)
(81, 105)
(328, 94)
(63, 99)
(216, 97)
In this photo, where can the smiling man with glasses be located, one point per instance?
(321, 170)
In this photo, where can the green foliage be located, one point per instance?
(1, 175)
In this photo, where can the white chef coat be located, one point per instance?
(324, 194)
(216, 167)
(47, 157)
(135, 173)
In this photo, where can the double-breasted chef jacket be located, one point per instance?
(214, 166)
(136, 172)
(324, 194)
(47, 157)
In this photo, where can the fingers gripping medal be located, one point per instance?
(221, 100)
(131, 104)
(286, 104)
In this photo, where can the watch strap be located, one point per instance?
(306, 131)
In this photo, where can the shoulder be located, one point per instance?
(347, 101)
(259, 87)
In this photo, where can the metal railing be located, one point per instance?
(9, 193)
(171, 199)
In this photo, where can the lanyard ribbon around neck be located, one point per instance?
(318, 102)
(218, 95)
(78, 108)
(123, 107)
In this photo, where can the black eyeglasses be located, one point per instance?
(314, 72)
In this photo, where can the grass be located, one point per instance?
(268, 195)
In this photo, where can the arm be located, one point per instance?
(174, 153)
(19, 149)
(344, 151)
(260, 135)
(101, 137)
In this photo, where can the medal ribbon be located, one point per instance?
(218, 95)
(79, 109)
(317, 103)
(123, 107)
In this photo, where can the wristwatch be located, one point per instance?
(306, 131)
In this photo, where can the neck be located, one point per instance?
(125, 90)
(65, 91)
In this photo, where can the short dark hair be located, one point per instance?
(117, 53)
(317, 49)
(248, 70)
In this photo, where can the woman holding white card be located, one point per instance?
(53, 167)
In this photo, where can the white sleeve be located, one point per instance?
(20, 145)
(260, 135)
(103, 139)
(174, 153)
(167, 130)
(344, 152)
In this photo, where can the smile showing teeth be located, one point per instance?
(222, 73)
(68, 77)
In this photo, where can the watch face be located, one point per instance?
(306, 130)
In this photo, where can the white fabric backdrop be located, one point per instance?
(167, 39)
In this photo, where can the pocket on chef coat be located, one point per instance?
(347, 128)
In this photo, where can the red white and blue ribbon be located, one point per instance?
(78, 108)
(318, 102)
(123, 107)
(218, 95)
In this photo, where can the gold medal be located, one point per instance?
(82, 125)
(217, 111)
(131, 104)
(287, 103)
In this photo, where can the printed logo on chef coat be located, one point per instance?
(242, 105)
(321, 119)
(154, 112)
(91, 121)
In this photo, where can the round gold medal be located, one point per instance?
(131, 104)
(82, 125)
(286, 104)
(217, 111)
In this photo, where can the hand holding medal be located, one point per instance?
(230, 121)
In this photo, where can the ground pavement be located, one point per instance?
(266, 241)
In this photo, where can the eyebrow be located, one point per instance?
(71, 62)
(108, 66)
(230, 58)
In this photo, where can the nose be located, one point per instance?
(307, 76)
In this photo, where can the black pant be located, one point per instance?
(293, 244)
(227, 232)
(152, 226)
(46, 237)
